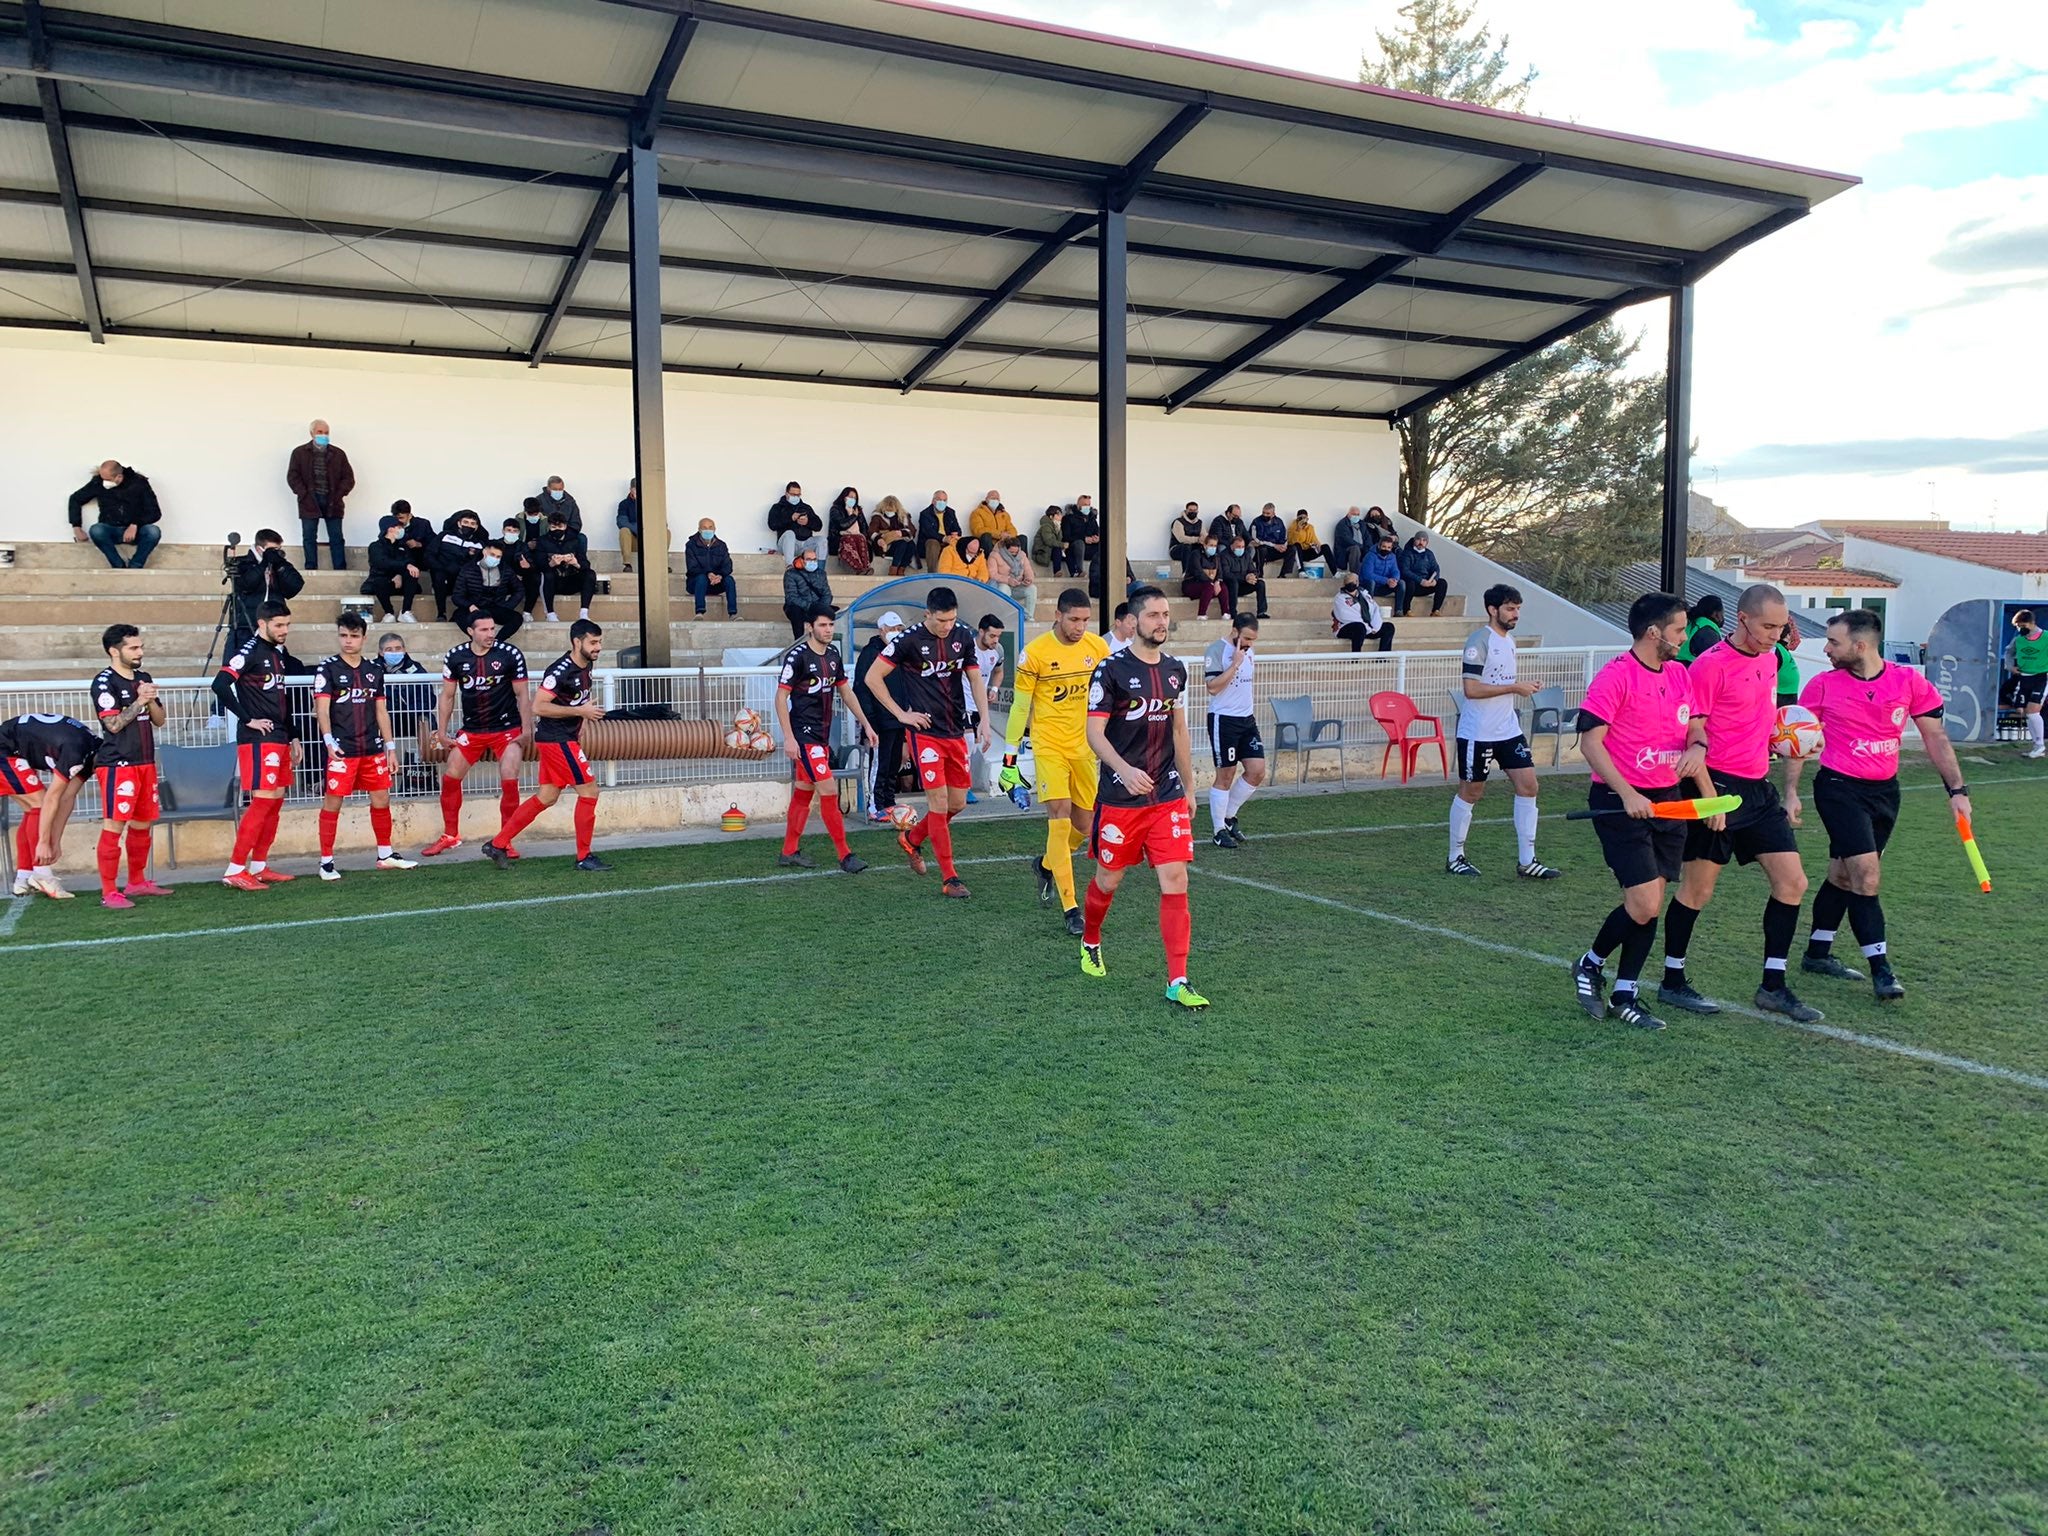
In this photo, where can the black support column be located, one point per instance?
(1677, 439)
(650, 447)
(1112, 402)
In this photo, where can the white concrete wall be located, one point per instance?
(212, 424)
(1929, 585)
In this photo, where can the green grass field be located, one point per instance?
(825, 1205)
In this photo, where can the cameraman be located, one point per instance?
(264, 574)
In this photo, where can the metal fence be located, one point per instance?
(1339, 684)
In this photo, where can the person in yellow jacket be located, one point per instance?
(964, 558)
(1051, 698)
(991, 520)
(1303, 546)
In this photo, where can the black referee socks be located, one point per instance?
(1781, 922)
(1678, 922)
(1613, 933)
(1866, 919)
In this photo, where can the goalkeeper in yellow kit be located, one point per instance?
(1053, 675)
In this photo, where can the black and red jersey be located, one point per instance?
(1140, 701)
(250, 685)
(810, 681)
(54, 744)
(564, 682)
(932, 668)
(488, 685)
(135, 745)
(352, 694)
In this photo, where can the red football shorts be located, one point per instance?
(563, 762)
(129, 793)
(1156, 834)
(370, 773)
(265, 765)
(940, 760)
(17, 778)
(813, 762)
(475, 746)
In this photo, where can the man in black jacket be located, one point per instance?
(523, 561)
(707, 568)
(887, 763)
(1238, 568)
(1421, 576)
(484, 588)
(461, 542)
(1229, 524)
(938, 527)
(419, 538)
(555, 497)
(795, 525)
(1083, 529)
(128, 514)
(394, 581)
(263, 574)
(565, 565)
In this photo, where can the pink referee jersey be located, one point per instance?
(1864, 719)
(1737, 696)
(1645, 710)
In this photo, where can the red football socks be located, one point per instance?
(1175, 929)
(508, 799)
(451, 806)
(330, 823)
(518, 821)
(798, 814)
(942, 845)
(835, 823)
(380, 826)
(246, 832)
(138, 854)
(586, 824)
(25, 837)
(273, 809)
(1094, 908)
(110, 861)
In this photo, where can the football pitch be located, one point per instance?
(721, 1200)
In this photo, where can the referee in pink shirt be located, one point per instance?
(1863, 706)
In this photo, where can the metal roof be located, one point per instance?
(862, 192)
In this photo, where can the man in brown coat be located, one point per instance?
(320, 476)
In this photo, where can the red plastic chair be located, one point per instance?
(1395, 713)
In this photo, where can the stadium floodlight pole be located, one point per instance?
(1112, 401)
(1677, 440)
(650, 445)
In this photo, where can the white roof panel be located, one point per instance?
(34, 232)
(40, 296)
(1320, 163)
(25, 157)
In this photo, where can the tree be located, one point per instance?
(1554, 464)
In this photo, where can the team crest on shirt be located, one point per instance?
(1685, 714)
(1475, 653)
(106, 700)
(1899, 715)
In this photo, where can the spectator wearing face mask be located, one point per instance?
(855, 554)
(1304, 545)
(565, 565)
(1269, 539)
(461, 543)
(1049, 543)
(964, 558)
(409, 689)
(804, 591)
(1185, 532)
(1381, 573)
(1199, 579)
(845, 514)
(991, 521)
(319, 476)
(485, 589)
(938, 525)
(1011, 573)
(1353, 540)
(555, 497)
(629, 524)
(1238, 569)
(892, 536)
(522, 561)
(1229, 524)
(1421, 576)
(795, 525)
(1356, 618)
(128, 514)
(1084, 541)
(394, 581)
(707, 567)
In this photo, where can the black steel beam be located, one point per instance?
(1700, 266)
(650, 433)
(1530, 348)
(1146, 161)
(1023, 273)
(1011, 63)
(1677, 441)
(658, 87)
(52, 108)
(1352, 287)
(1112, 405)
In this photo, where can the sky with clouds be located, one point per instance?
(1881, 358)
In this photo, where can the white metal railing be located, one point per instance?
(1341, 685)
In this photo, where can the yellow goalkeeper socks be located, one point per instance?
(1059, 858)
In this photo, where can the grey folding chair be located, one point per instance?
(1296, 730)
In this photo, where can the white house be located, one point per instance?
(1935, 571)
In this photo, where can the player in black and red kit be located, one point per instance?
(489, 677)
(1138, 726)
(250, 686)
(562, 704)
(812, 671)
(362, 749)
(933, 657)
(129, 714)
(43, 760)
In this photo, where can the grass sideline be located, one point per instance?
(820, 1204)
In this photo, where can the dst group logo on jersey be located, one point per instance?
(1149, 708)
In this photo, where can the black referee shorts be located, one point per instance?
(1759, 826)
(1638, 851)
(1858, 813)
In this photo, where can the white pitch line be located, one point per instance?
(12, 915)
(1825, 1031)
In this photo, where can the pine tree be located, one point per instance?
(1554, 464)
